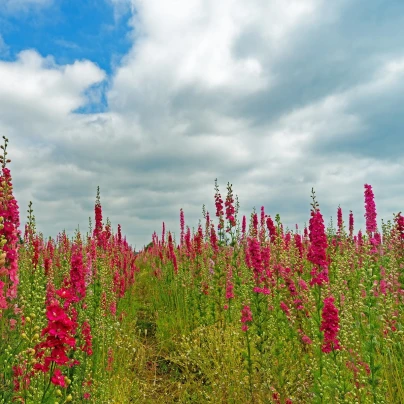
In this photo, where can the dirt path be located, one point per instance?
(158, 377)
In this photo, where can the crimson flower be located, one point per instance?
(243, 226)
(370, 207)
(229, 290)
(400, 225)
(182, 226)
(271, 228)
(351, 224)
(246, 317)
(255, 259)
(318, 249)
(230, 210)
(330, 326)
(339, 220)
(58, 378)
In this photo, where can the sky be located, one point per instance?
(153, 100)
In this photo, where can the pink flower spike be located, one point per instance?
(58, 378)
(370, 208)
(330, 326)
(246, 317)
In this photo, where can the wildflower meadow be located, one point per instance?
(230, 310)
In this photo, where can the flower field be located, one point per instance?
(235, 310)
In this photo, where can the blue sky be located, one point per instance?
(153, 100)
(69, 30)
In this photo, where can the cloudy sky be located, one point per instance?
(152, 100)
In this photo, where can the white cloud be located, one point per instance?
(175, 123)
(190, 43)
(33, 86)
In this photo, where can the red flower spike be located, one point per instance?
(330, 326)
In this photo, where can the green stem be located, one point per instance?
(50, 379)
(249, 361)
